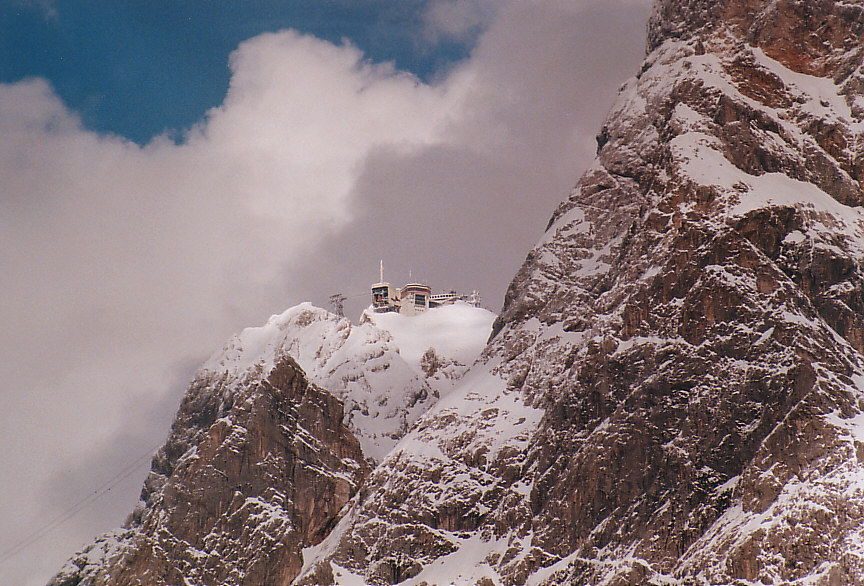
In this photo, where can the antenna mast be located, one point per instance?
(381, 271)
(337, 301)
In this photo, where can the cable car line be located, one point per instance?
(79, 506)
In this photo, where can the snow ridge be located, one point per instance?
(388, 369)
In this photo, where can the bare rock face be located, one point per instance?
(255, 469)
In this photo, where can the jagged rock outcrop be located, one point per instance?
(257, 467)
(674, 391)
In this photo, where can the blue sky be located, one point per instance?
(294, 163)
(138, 68)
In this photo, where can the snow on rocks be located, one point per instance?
(86, 565)
(694, 311)
(430, 507)
(388, 369)
(257, 467)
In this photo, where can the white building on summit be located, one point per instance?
(413, 298)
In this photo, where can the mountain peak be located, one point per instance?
(816, 37)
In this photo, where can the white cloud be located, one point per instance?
(119, 261)
(463, 212)
(300, 116)
(458, 19)
(124, 265)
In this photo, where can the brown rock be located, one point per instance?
(254, 470)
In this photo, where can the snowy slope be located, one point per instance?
(448, 474)
(388, 370)
(440, 344)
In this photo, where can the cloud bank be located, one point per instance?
(124, 266)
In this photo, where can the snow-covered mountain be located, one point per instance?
(673, 393)
(388, 369)
(261, 458)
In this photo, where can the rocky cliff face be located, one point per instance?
(257, 466)
(674, 390)
(261, 458)
(673, 393)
